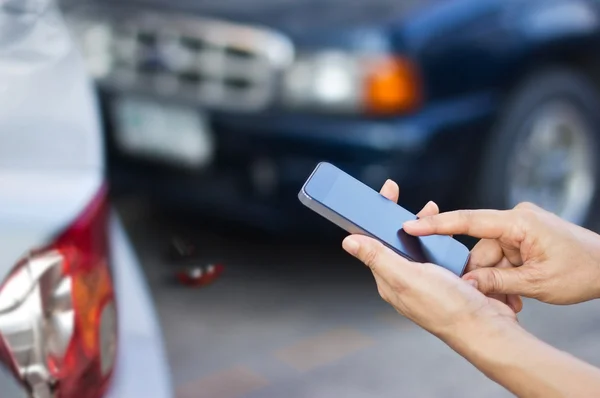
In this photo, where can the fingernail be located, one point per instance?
(411, 223)
(473, 283)
(350, 245)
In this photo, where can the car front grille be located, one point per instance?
(213, 63)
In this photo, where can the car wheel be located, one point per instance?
(543, 149)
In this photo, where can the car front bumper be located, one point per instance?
(262, 160)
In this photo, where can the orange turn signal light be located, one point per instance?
(392, 85)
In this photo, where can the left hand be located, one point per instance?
(427, 294)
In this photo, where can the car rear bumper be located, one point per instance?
(263, 160)
(142, 369)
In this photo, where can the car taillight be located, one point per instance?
(57, 312)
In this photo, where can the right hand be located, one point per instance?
(525, 251)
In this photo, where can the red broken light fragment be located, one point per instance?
(200, 275)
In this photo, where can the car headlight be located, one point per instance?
(344, 82)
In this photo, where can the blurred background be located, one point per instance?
(214, 113)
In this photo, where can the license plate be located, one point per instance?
(161, 132)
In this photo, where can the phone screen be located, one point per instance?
(359, 209)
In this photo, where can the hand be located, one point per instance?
(429, 295)
(526, 251)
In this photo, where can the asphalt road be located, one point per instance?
(296, 319)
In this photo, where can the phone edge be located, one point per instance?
(333, 217)
(342, 222)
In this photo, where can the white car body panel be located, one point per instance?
(141, 369)
(47, 105)
(35, 205)
(51, 166)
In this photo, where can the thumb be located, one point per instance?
(382, 261)
(501, 280)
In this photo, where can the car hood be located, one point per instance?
(290, 16)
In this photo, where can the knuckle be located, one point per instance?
(524, 219)
(533, 275)
(528, 214)
(431, 221)
(495, 280)
(467, 214)
(537, 291)
(534, 279)
(526, 206)
(466, 217)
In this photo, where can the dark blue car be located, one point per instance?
(226, 106)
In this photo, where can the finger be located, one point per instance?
(500, 297)
(430, 209)
(382, 261)
(488, 224)
(486, 253)
(478, 259)
(489, 253)
(515, 302)
(530, 206)
(502, 280)
(390, 190)
(512, 300)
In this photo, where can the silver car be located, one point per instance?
(76, 318)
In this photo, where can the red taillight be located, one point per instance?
(88, 362)
(58, 313)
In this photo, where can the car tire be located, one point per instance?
(550, 125)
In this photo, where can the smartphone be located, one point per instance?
(358, 209)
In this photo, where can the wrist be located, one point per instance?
(499, 347)
(481, 335)
(524, 365)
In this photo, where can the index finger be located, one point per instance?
(485, 224)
